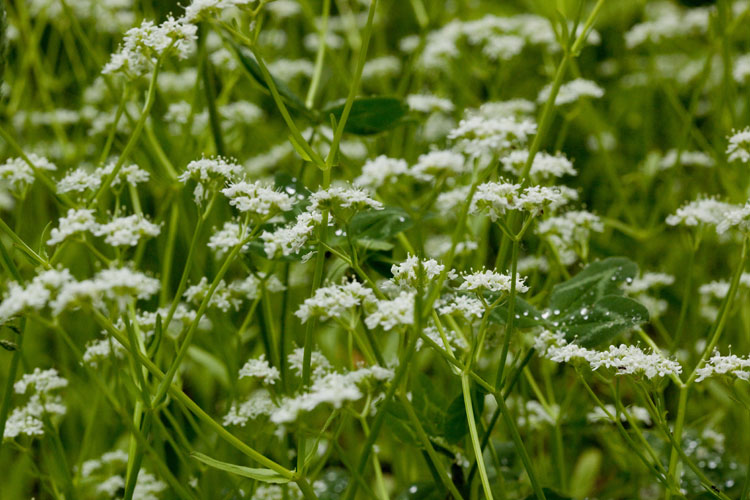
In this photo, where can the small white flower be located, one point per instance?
(572, 91)
(739, 146)
(544, 165)
(707, 211)
(19, 174)
(256, 198)
(260, 368)
(344, 197)
(381, 170)
(724, 365)
(76, 221)
(210, 173)
(406, 272)
(390, 313)
(334, 301)
(492, 281)
(427, 103)
(127, 231)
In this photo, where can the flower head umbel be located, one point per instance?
(148, 42)
(30, 419)
(210, 174)
(257, 199)
(739, 146)
(334, 301)
(492, 281)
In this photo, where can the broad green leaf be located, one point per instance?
(429, 404)
(379, 224)
(397, 422)
(370, 115)
(252, 67)
(598, 279)
(526, 315)
(262, 475)
(586, 472)
(456, 424)
(600, 323)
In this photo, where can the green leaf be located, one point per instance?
(379, 224)
(598, 279)
(8, 346)
(262, 475)
(370, 115)
(397, 421)
(607, 318)
(252, 67)
(527, 316)
(456, 424)
(429, 404)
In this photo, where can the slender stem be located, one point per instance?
(466, 389)
(319, 56)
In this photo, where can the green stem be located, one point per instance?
(466, 388)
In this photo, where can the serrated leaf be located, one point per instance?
(602, 322)
(379, 224)
(252, 67)
(370, 115)
(598, 279)
(262, 475)
(527, 316)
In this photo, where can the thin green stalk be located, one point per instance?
(319, 56)
(133, 137)
(520, 448)
(466, 389)
(185, 400)
(161, 391)
(511, 313)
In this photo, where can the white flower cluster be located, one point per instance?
(572, 91)
(198, 8)
(569, 233)
(598, 414)
(290, 239)
(428, 103)
(29, 419)
(100, 350)
(496, 198)
(647, 281)
(622, 359)
(690, 158)
(257, 199)
(544, 165)
(333, 389)
(149, 41)
(342, 197)
(230, 296)
(105, 475)
(492, 281)
(389, 314)
(120, 231)
(260, 368)
(478, 136)
(724, 365)
(435, 163)
(18, 174)
(35, 295)
(259, 403)
(210, 174)
(116, 284)
(381, 170)
(466, 306)
(708, 211)
(226, 238)
(739, 146)
(81, 179)
(406, 273)
(334, 301)
(666, 22)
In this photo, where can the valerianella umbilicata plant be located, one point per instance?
(304, 249)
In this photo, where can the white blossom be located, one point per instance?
(334, 301)
(127, 231)
(492, 281)
(391, 313)
(739, 146)
(381, 170)
(76, 221)
(260, 368)
(572, 91)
